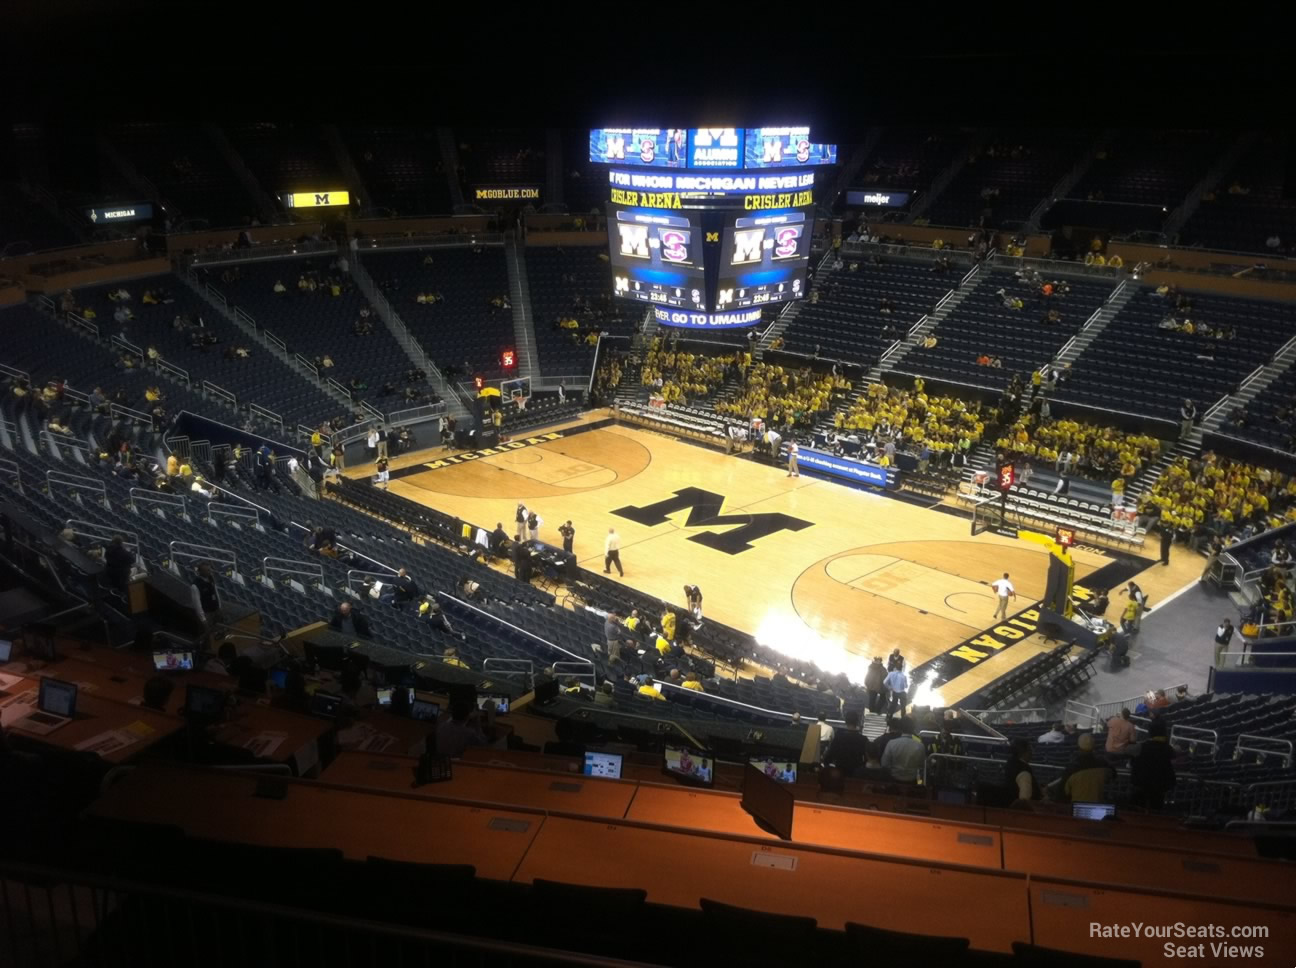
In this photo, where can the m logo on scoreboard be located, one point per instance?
(773, 151)
(747, 246)
(615, 147)
(713, 236)
(321, 198)
(634, 241)
(704, 511)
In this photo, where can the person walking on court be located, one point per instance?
(533, 526)
(793, 451)
(612, 553)
(1223, 636)
(1136, 614)
(898, 684)
(568, 535)
(1167, 537)
(874, 683)
(1003, 588)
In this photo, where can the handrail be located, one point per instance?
(14, 372)
(526, 665)
(378, 415)
(64, 440)
(247, 317)
(77, 482)
(793, 717)
(11, 468)
(307, 365)
(220, 509)
(220, 392)
(117, 410)
(97, 531)
(126, 345)
(274, 340)
(1284, 747)
(531, 635)
(185, 549)
(292, 566)
(269, 415)
(578, 669)
(142, 495)
(77, 395)
(1196, 736)
(92, 328)
(216, 295)
(178, 372)
(341, 388)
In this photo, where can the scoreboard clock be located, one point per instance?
(1007, 477)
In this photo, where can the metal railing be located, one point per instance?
(53, 440)
(196, 552)
(582, 670)
(1271, 794)
(355, 580)
(178, 446)
(1032, 714)
(293, 569)
(10, 470)
(411, 415)
(173, 502)
(117, 410)
(90, 327)
(15, 373)
(508, 667)
(270, 337)
(179, 372)
(306, 365)
(1248, 657)
(343, 389)
(1195, 737)
(495, 618)
(76, 483)
(239, 513)
(265, 414)
(127, 346)
(102, 532)
(221, 392)
(1264, 747)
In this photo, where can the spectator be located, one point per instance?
(897, 684)
(605, 695)
(1055, 735)
(404, 589)
(648, 688)
(118, 562)
(350, 621)
(905, 754)
(205, 596)
(1152, 773)
(849, 747)
(1085, 778)
(874, 684)
(460, 730)
(1120, 733)
(946, 743)
(825, 734)
(614, 635)
(1019, 782)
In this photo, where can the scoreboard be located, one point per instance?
(656, 256)
(722, 235)
(765, 259)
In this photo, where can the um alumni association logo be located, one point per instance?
(704, 511)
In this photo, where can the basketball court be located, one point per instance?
(812, 568)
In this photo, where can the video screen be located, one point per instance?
(785, 771)
(204, 703)
(424, 710)
(785, 148)
(173, 661)
(385, 695)
(603, 764)
(715, 147)
(279, 678)
(648, 147)
(57, 697)
(1093, 811)
(768, 802)
(491, 701)
(765, 259)
(325, 704)
(656, 257)
(689, 764)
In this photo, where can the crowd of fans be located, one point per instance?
(1076, 447)
(943, 428)
(680, 377)
(1210, 501)
(784, 397)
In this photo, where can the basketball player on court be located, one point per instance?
(1004, 589)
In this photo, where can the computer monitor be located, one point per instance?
(279, 678)
(1092, 811)
(385, 695)
(776, 768)
(500, 703)
(204, 704)
(694, 767)
(6, 650)
(769, 802)
(38, 642)
(58, 698)
(173, 661)
(424, 710)
(546, 692)
(326, 705)
(603, 764)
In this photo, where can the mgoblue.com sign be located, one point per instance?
(680, 317)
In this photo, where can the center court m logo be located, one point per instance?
(704, 510)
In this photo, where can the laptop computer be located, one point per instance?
(603, 764)
(326, 705)
(1092, 811)
(56, 706)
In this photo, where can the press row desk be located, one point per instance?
(95, 715)
(916, 838)
(676, 866)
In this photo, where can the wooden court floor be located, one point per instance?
(812, 568)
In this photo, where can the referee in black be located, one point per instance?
(568, 535)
